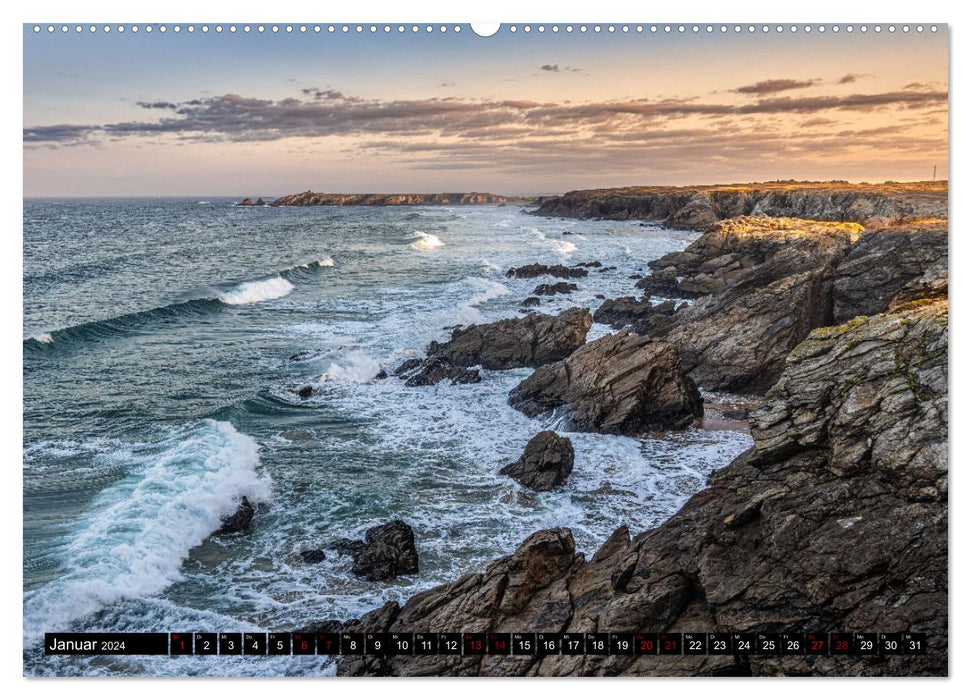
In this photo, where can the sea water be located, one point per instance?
(159, 388)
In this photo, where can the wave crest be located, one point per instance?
(254, 292)
(425, 241)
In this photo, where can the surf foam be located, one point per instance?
(255, 292)
(137, 533)
(425, 241)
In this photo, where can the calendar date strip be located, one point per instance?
(479, 644)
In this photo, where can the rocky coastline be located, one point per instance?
(694, 208)
(322, 199)
(827, 304)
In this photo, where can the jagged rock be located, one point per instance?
(531, 301)
(621, 384)
(737, 340)
(695, 208)
(387, 551)
(835, 520)
(592, 263)
(537, 270)
(382, 374)
(260, 202)
(546, 462)
(548, 290)
(623, 311)
(313, 556)
(433, 370)
(882, 264)
(730, 249)
(238, 521)
(528, 341)
(246, 203)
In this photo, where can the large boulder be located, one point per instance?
(837, 520)
(546, 462)
(626, 311)
(548, 290)
(621, 384)
(387, 551)
(882, 264)
(529, 341)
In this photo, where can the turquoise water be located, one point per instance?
(158, 388)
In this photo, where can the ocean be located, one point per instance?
(160, 384)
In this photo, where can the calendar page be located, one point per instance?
(543, 349)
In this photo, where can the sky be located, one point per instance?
(236, 114)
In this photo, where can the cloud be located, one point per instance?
(771, 87)
(849, 78)
(325, 113)
(157, 105)
(555, 68)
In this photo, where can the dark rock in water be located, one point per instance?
(387, 551)
(599, 296)
(305, 392)
(432, 370)
(537, 270)
(623, 311)
(531, 301)
(568, 233)
(736, 414)
(619, 384)
(593, 263)
(238, 521)
(246, 203)
(545, 463)
(607, 269)
(305, 355)
(260, 202)
(837, 519)
(548, 290)
(529, 341)
(882, 264)
(382, 374)
(635, 277)
(313, 556)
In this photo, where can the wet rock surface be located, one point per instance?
(546, 462)
(537, 270)
(433, 370)
(835, 520)
(238, 521)
(548, 290)
(621, 384)
(387, 551)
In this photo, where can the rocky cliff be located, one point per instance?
(835, 521)
(320, 199)
(694, 208)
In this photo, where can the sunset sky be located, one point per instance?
(269, 114)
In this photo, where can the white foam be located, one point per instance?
(425, 241)
(354, 366)
(562, 247)
(135, 536)
(326, 262)
(254, 292)
(43, 338)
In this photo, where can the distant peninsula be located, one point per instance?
(322, 199)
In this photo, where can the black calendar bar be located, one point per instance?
(487, 643)
(106, 643)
